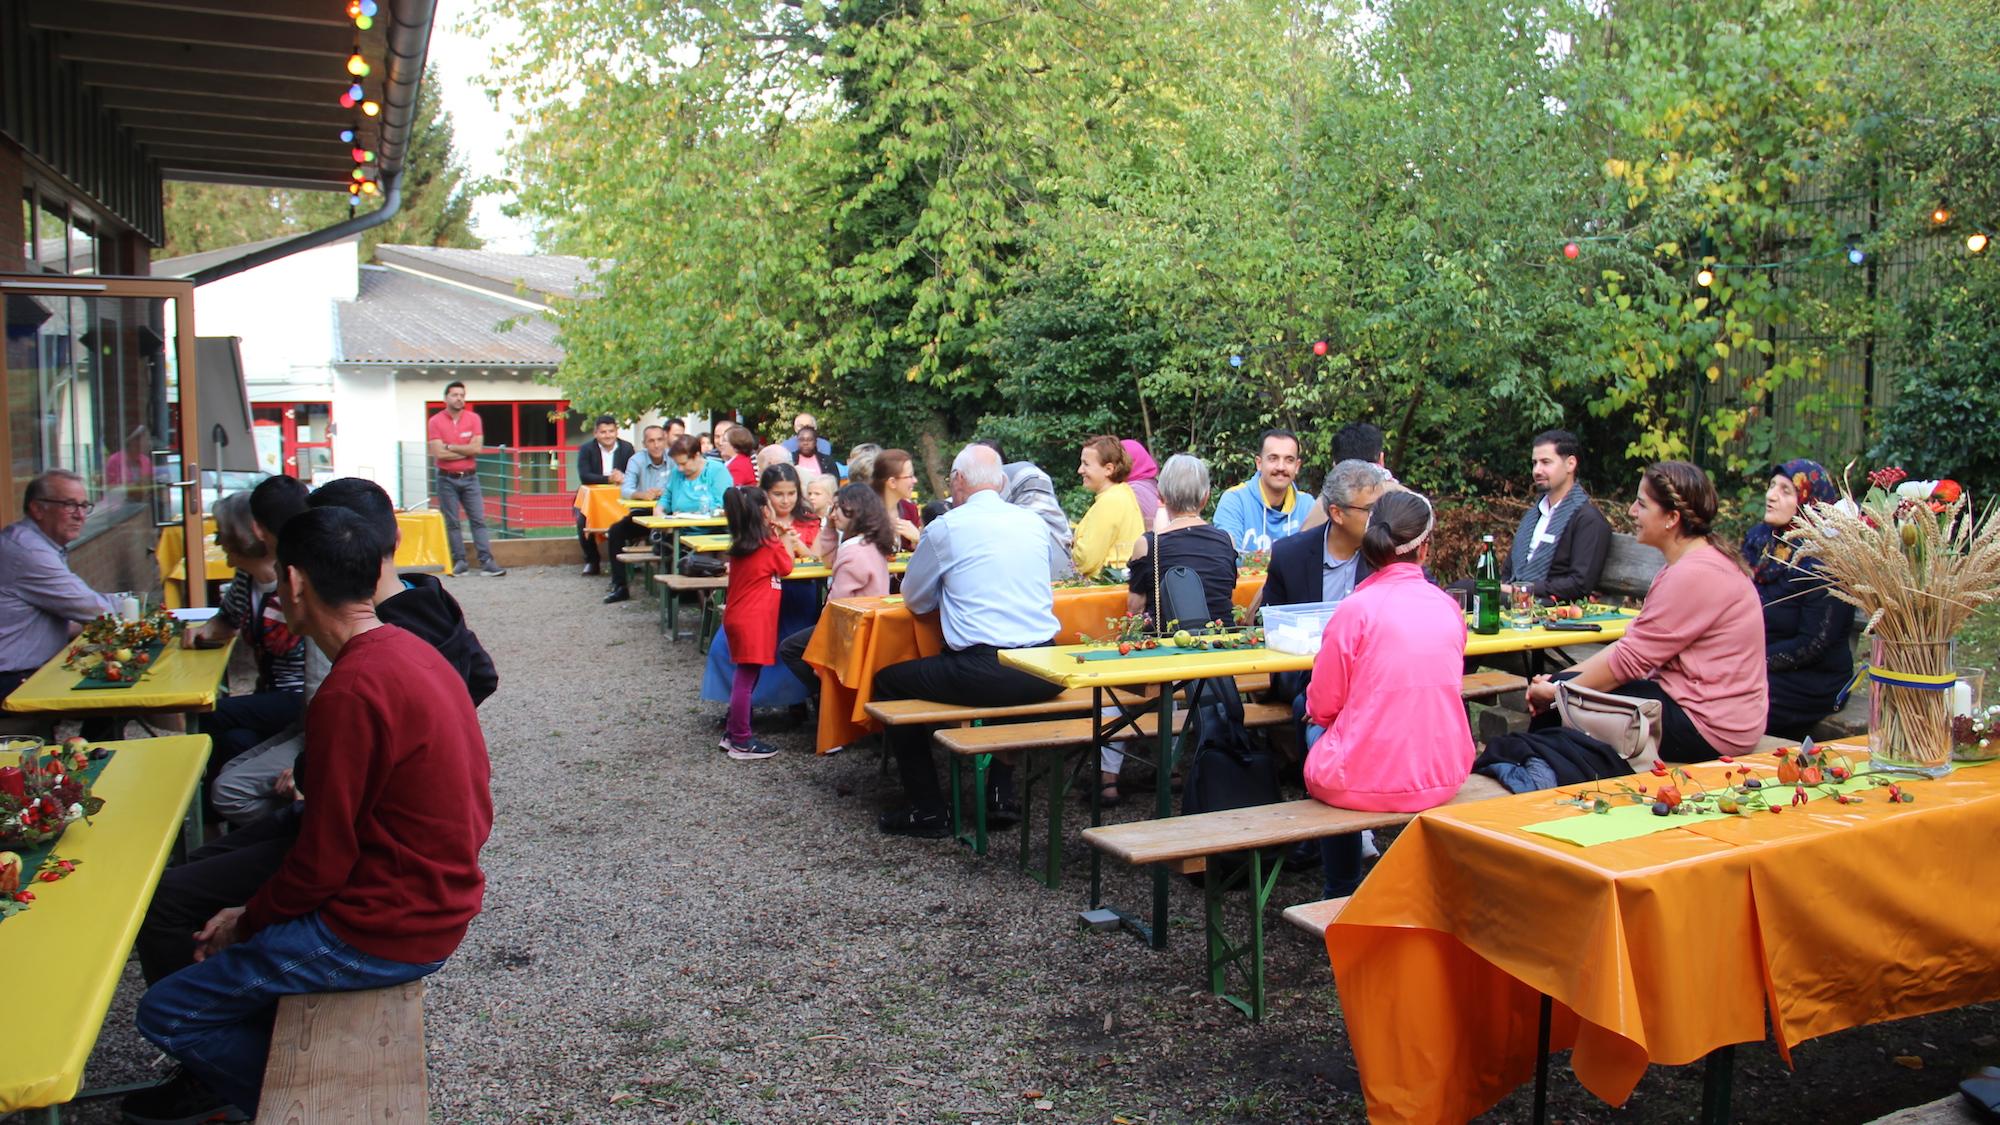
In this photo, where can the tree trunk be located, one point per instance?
(935, 451)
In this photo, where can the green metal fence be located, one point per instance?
(527, 493)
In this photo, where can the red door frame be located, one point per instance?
(288, 429)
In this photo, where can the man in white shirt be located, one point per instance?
(968, 568)
(599, 461)
(1560, 547)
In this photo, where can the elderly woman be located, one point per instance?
(1806, 660)
(1698, 645)
(1185, 540)
(250, 612)
(1113, 523)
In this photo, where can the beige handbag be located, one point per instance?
(1632, 727)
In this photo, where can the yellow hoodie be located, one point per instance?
(1108, 530)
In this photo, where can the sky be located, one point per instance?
(480, 129)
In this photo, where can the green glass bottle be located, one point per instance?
(1486, 589)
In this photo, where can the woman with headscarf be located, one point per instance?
(1144, 479)
(1806, 658)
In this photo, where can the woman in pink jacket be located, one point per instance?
(1385, 688)
(858, 536)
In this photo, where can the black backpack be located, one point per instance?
(1226, 769)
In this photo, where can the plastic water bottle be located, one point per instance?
(1486, 589)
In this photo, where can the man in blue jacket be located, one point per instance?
(1265, 508)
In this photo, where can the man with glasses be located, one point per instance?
(1264, 509)
(42, 602)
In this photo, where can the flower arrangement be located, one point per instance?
(47, 792)
(1676, 792)
(1916, 560)
(1976, 737)
(116, 650)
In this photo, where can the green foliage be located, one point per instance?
(1042, 220)
(437, 201)
(1955, 326)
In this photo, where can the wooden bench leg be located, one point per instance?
(1246, 957)
(982, 765)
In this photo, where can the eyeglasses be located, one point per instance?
(82, 507)
(1356, 508)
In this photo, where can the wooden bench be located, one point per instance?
(645, 562)
(1629, 567)
(1490, 685)
(347, 1056)
(1315, 917)
(709, 590)
(1187, 844)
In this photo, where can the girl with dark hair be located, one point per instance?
(781, 484)
(1387, 727)
(1806, 660)
(1698, 645)
(858, 537)
(758, 561)
(895, 480)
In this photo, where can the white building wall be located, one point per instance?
(283, 314)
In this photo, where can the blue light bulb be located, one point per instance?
(347, 136)
(355, 91)
(368, 7)
(1236, 361)
(1855, 255)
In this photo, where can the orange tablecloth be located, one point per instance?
(600, 505)
(1659, 949)
(858, 637)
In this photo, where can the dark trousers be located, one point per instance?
(615, 540)
(969, 677)
(218, 875)
(459, 498)
(1680, 739)
(242, 721)
(588, 542)
(792, 650)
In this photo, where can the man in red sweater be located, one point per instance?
(384, 877)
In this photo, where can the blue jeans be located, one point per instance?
(215, 1016)
(459, 497)
(1339, 856)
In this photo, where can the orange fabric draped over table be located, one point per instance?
(600, 505)
(1658, 949)
(858, 637)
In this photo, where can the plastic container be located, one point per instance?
(1296, 628)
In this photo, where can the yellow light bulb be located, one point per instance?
(1705, 278)
(356, 65)
(1941, 216)
(1975, 242)
(371, 108)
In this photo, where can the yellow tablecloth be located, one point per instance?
(1667, 946)
(600, 506)
(183, 680)
(705, 543)
(422, 544)
(858, 637)
(669, 523)
(69, 950)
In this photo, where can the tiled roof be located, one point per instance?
(529, 276)
(189, 264)
(403, 319)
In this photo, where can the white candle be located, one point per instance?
(1961, 698)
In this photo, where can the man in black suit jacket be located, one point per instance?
(600, 461)
(1324, 563)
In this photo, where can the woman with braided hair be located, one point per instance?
(1698, 645)
(1386, 724)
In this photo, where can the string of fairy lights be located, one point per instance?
(1975, 241)
(366, 176)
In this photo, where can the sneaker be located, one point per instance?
(915, 822)
(751, 751)
(180, 1100)
(493, 570)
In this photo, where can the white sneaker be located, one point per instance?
(1368, 848)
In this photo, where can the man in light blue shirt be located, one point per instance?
(980, 567)
(42, 602)
(1265, 508)
(699, 486)
(647, 477)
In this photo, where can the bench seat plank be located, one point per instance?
(1486, 685)
(1051, 733)
(1315, 917)
(681, 583)
(923, 712)
(347, 1057)
(1260, 826)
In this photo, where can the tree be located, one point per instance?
(437, 200)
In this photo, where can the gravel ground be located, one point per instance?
(673, 936)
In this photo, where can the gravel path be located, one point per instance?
(673, 936)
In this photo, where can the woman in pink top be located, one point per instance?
(858, 535)
(1385, 687)
(1698, 645)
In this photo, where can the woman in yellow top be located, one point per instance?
(1113, 524)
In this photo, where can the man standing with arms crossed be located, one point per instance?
(457, 438)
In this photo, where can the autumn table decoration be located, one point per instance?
(1917, 560)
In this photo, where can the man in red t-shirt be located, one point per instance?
(384, 877)
(455, 440)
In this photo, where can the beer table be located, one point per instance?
(71, 945)
(1059, 664)
(181, 681)
(676, 523)
(422, 544)
(1671, 947)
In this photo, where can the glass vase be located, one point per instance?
(1909, 727)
